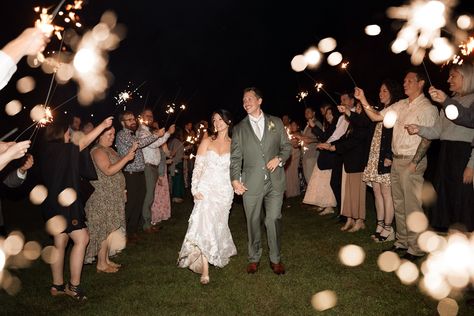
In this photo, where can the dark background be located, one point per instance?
(203, 53)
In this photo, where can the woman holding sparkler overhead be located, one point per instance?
(377, 171)
(208, 239)
(62, 166)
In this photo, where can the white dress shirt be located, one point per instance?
(151, 153)
(341, 128)
(258, 124)
(7, 69)
(420, 112)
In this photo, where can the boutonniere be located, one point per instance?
(271, 126)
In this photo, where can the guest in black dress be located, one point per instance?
(63, 165)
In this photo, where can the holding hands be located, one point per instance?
(239, 187)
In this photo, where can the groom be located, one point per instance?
(260, 147)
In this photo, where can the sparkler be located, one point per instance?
(126, 95)
(170, 108)
(301, 96)
(344, 66)
(424, 21)
(427, 74)
(319, 87)
(182, 108)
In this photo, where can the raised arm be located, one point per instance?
(373, 114)
(89, 138)
(108, 168)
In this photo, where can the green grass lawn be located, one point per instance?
(150, 283)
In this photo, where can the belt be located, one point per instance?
(403, 156)
(151, 165)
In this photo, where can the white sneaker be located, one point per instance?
(327, 210)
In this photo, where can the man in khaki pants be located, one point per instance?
(409, 161)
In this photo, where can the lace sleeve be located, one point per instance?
(199, 165)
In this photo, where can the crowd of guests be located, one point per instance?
(333, 159)
(352, 147)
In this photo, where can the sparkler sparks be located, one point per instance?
(128, 94)
(301, 96)
(344, 66)
(319, 87)
(422, 30)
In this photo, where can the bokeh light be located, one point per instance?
(313, 57)
(13, 244)
(428, 194)
(37, 113)
(49, 254)
(448, 307)
(3, 258)
(417, 222)
(32, 250)
(390, 119)
(372, 30)
(327, 45)
(67, 197)
(25, 84)
(334, 58)
(56, 225)
(452, 112)
(464, 22)
(324, 300)
(407, 272)
(299, 63)
(351, 255)
(13, 107)
(116, 241)
(38, 194)
(388, 261)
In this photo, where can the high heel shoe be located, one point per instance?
(388, 234)
(359, 224)
(378, 230)
(349, 224)
(204, 279)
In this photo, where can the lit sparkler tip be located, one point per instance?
(182, 107)
(344, 65)
(318, 86)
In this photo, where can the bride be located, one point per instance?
(208, 238)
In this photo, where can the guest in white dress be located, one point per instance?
(208, 238)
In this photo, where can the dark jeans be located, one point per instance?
(135, 196)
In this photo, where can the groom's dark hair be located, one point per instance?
(257, 92)
(226, 117)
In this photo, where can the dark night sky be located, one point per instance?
(206, 52)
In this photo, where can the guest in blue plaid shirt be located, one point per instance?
(133, 171)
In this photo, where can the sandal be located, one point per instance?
(75, 292)
(57, 290)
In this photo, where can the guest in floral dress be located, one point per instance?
(377, 171)
(105, 209)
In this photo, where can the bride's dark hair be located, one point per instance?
(226, 117)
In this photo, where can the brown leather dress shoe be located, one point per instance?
(278, 268)
(252, 267)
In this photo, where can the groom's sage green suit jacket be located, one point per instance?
(249, 155)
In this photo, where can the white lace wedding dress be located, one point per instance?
(208, 230)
